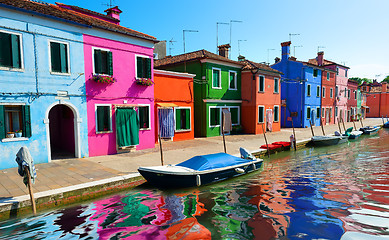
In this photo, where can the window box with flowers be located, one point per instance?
(103, 78)
(144, 81)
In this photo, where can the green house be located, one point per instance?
(217, 86)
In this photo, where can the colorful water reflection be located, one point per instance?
(339, 192)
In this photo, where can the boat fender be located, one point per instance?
(254, 167)
(239, 170)
(198, 180)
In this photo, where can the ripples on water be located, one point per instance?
(339, 192)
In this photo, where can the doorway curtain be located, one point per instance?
(166, 122)
(127, 127)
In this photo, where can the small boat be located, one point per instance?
(369, 130)
(355, 134)
(386, 125)
(201, 170)
(320, 141)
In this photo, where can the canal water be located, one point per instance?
(337, 192)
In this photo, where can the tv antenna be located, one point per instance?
(318, 48)
(170, 46)
(110, 4)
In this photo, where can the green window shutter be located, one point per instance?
(26, 121)
(139, 67)
(148, 67)
(55, 57)
(15, 43)
(178, 119)
(2, 122)
(187, 118)
(64, 58)
(234, 115)
(109, 63)
(97, 57)
(215, 82)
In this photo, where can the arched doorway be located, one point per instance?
(61, 128)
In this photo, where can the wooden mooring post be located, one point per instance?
(322, 127)
(340, 130)
(310, 123)
(31, 192)
(360, 119)
(294, 136)
(355, 127)
(344, 127)
(267, 145)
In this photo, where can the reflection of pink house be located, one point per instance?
(119, 84)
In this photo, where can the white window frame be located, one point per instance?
(220, 78)
(21, 69)
(259, 81)
(309, 113)
(309, 90)
(324, 92)
(236, 80)
(209, 116)
(229, 109)
(136, 64)
(331, 92)
(263, 113)
(93, 59)
(68, 57)
(110, 117)
(190, 120)
(278, 85)
(145, 105)
(318, 91)
(278, 111)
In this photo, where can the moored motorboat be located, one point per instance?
(201, 170)
(355, 134)
(369, 130)
(320, 141)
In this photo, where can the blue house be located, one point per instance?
(42, 83)
(300, 90)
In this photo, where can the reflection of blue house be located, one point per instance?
(300, 90)
(42, 87)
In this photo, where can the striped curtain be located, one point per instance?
(166, 122)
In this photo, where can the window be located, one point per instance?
(355, 94)
(336, 111)
(276, 113)
(144, 117)
(308, 112)
(324, 92)
(15, 118)
(318, 112)
(322, 112)
(232, 80)
(214, 114)
(348, 93)
(337, 71)
(216, 78)
(103, 62)
(336, 91)
(345, 73)
(10, 50)
(315, 72)
(276, 85)
(309, 90)
(331, 92)
(143, 67)
(261, 114)
(59, 53)
(234, 115)
(103, 118)
(261, 84)
(318, 91)
(328, 76)
(345, 92)
(183, 118)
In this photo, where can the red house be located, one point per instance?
(377, 99)
(352, 91)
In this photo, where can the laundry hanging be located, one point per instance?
(227, 123)
(127, 127)
(166, 122)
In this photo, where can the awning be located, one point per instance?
(167, 105)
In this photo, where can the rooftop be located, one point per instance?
(250, 65)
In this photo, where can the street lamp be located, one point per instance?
(269, 49)
(239, 45)
(232, 21)
(217, 34)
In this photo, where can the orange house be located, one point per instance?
(174, 91)
(377, 99)
(261, 98)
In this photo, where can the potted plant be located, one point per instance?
(10, 134)
(18, 133)
(144, 81)
(103, 78)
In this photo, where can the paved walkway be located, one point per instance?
(60, 174)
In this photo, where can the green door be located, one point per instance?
(127, 127)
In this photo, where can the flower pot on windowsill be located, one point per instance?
(103, 78)
(144, 81)
(10, 134)
(18, 134)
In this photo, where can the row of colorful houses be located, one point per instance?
(75, 83)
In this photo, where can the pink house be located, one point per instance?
(119, 86)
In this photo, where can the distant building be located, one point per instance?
(352, 104)
(377, 98)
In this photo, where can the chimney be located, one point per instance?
(223, 50)
(285, 50)
(320, 58)
(241, 58)
(384, 87)
(114, 12)
(276, 60)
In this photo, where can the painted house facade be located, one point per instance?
(300, 90)
(352, 103)
(377, 99)
(42, 83)
(328, 90)
(119, 83)
(217, 87)
(174, 91)
(261, 98)
(341, 91)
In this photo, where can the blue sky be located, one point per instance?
(354, 33)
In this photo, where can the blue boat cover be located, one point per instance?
(212, 161)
